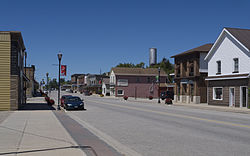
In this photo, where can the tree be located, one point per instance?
(131, 65)
(53, 84)
(166, 65)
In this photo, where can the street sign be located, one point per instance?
(63, 70)
(157, 78)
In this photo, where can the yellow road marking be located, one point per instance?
(175, 115)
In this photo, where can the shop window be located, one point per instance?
(120, 92)
(217, 93)
(148, 79)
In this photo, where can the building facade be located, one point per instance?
(106, 86)
(12, 77)
(229, 69)
(95, 83)
(80, 83)
(74, 81)
(190, 73)
(30, 85)
(136, 82)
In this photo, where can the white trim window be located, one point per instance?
(120, 92)
(236, 65)
(217, 93)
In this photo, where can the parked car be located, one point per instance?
(169, 94)
(74, 102)
(63, 98)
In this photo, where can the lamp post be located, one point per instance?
(159, 78)
(59, 80)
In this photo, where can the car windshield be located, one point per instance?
(73, 99)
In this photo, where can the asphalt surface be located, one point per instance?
(160, 130)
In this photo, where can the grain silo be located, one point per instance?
(152, 56)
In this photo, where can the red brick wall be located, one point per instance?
(139, 89)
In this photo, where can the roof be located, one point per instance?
(242, 35)
(203, 48)
(106, 80)
(76, 75)
(16, 35)
(137, 71)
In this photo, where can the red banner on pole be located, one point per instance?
(63, 70)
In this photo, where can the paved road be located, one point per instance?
(160, 130)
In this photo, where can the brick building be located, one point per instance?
(31, 84)
(136, 82)
(190, 74)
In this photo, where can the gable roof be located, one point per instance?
(203, 48)
(242, 36)
(138, 71)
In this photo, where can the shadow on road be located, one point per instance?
(36, 106)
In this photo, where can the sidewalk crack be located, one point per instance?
(23, 131)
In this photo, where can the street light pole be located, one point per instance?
(59, 80)
(159, 78)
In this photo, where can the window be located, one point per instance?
(217, 93)
(236, 65)
(122, 82)
(218, 67)
(178, 70)
(137, 79)
(191, 68)
(120, 92)
(185, 69)
(148, 79)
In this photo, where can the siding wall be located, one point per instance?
(226, 50)
(203, 63)
(4, 71)
(226, 84)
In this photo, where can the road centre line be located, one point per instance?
(176, 115)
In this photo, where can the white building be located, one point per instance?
(229, 68)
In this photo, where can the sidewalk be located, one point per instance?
(195, 106)
(35, 131)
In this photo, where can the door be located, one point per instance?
(231, 97)
(243, 96)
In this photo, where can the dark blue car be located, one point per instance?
(74, 102)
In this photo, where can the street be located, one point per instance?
(157, 129)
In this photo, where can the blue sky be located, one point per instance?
(99, 34)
